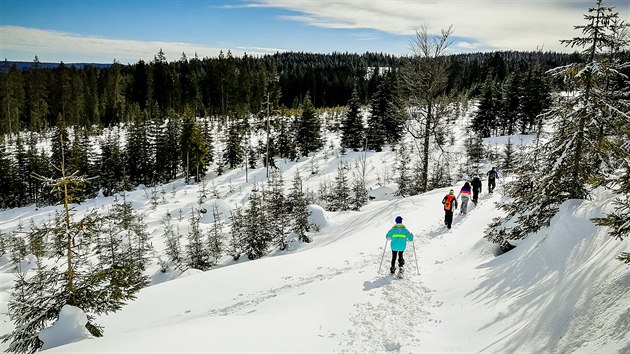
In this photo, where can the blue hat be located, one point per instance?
(398, 219)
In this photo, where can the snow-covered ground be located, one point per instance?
(559, 291)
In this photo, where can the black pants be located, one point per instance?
(491, 184)
(475, 196)
(448, 218)
(401, 260)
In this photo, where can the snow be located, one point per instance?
(69, 328)
(559, 291)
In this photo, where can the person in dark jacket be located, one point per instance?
(450, 204)
(476, 189)
(493, 175)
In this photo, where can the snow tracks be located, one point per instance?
(392, 320)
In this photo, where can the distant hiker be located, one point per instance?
(493, 175)
(450, 204)
(399, 236)
(465, 193)
(476, 189)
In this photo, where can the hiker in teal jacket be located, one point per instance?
(399, 236)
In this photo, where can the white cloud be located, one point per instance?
(468, 45)
(499, 24)
(21, 43)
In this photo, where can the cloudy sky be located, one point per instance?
(129, 30)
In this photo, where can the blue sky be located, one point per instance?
(129, 30)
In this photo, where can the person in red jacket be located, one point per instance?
(450, 204)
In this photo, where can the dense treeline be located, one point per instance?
(86, 95)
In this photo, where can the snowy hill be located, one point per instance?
(560, 290)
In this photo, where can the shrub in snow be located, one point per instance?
(69, 328)
(317, 216)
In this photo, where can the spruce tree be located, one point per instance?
(237, 233)
(197, 254)
(173, 249)
(359, 190)
(403, 181)
(341, 192)
(308, 128)
(484, 122)
(37, 93)
(257, 236)
(583, 122)
(352, 125)
(215, 235)
(298, 209)
(277, 210)
(192, 148)
(36, 301)
(233, 155)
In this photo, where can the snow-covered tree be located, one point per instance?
(277, 209)
(584, 122)
(215, 235)
(197, 253)
(298, 209)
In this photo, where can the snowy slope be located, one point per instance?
(559, 291)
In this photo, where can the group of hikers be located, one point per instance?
(399, 235)
(472, 188)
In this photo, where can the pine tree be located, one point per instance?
(173, 248)
(37, 95)
(572, 157)
(8, 180)
(286, 143)
(215, 235)
(193, 148)
(197, 254)
(403, 181)
(277, 210)
(233, 155)
(298, 210)
(37, 300)
(341, 192)
(535, 99)
(122, 247)
(376, 132)
(359, 189)
(484, 122)
(237, 233)
(112, 168)
(257, 235)
(352, 125)
(137, 153)
(308, 128)
(13, 101)
(510, 104)
(508, 157)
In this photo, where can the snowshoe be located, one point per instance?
(401, 273)
(392, 270)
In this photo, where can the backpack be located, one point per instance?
(448, 203)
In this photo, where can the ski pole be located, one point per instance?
(382, 257)
(414, 256)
